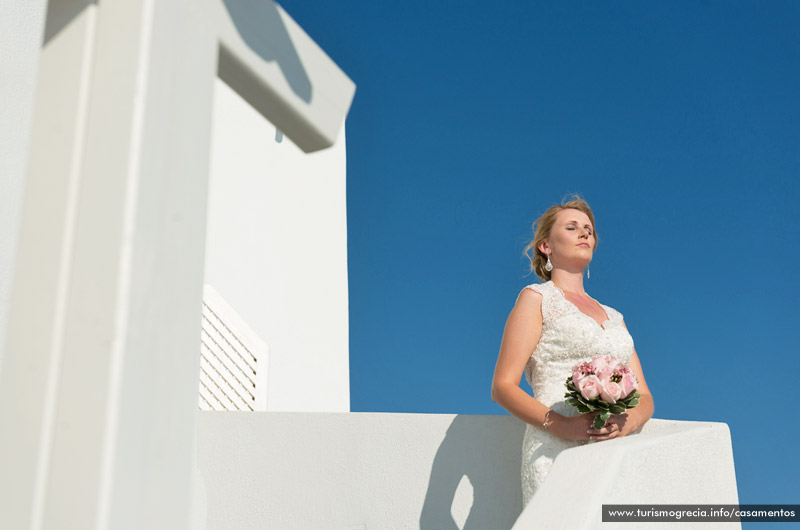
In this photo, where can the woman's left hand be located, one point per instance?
(617, 426)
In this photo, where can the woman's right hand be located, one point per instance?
(573, 427)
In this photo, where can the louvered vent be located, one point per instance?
(233, 359)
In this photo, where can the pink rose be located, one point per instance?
(590, 387)
(604, 374)
(603, 361)
(628, 384)
(610, 392)
(577, 377)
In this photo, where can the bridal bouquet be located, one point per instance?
(602, 384)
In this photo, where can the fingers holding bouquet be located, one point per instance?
(616, 427)
(574, 427)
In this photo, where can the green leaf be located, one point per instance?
(617, 409)
(600, 420)
(602, 404)
(577, 397)
(632, 398)
(583, 408)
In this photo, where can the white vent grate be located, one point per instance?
(233, 359)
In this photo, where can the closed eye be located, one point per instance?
(588, 229)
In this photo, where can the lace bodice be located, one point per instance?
(570, 336)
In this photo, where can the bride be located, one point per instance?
(553, 326)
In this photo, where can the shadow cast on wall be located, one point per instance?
(59, 15)
(261, 28)
(492, 464)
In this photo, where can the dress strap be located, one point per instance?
(613, 314)
(547, 291)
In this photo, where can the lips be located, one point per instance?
(584, 245)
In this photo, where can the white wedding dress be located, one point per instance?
(569, 336)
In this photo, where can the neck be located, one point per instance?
(571, 282)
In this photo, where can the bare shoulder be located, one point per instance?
(523, 330)
(528, 302)
(529, 298)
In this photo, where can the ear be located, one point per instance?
(544, 247)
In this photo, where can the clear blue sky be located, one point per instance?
(679, 122)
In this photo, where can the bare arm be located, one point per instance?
(644, 410)
(520, 337)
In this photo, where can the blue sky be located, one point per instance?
(678, 122)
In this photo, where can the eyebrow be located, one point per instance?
(576, 222)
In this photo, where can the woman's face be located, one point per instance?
(571, 242)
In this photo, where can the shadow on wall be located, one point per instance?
(60, 14)
(261, 28)
(491, 461)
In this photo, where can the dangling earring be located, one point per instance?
(587, 273)
(549, 266)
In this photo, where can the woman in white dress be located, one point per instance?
(553, 326)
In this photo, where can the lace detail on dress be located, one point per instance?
(568, 337)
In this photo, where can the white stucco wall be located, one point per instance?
(441, 471)
(21, 29)
(99, 376)
(276, 250)
(98, 390)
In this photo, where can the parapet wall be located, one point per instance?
(440, 471)
(669, 462)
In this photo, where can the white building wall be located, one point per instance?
(100, 332)
(21, 29)
(98, 391)
(276, 250)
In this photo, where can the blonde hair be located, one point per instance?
(541, 231)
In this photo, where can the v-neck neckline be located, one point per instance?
(601, 324)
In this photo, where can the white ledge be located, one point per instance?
(432, 471)
(276, 67)
(668, 462)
